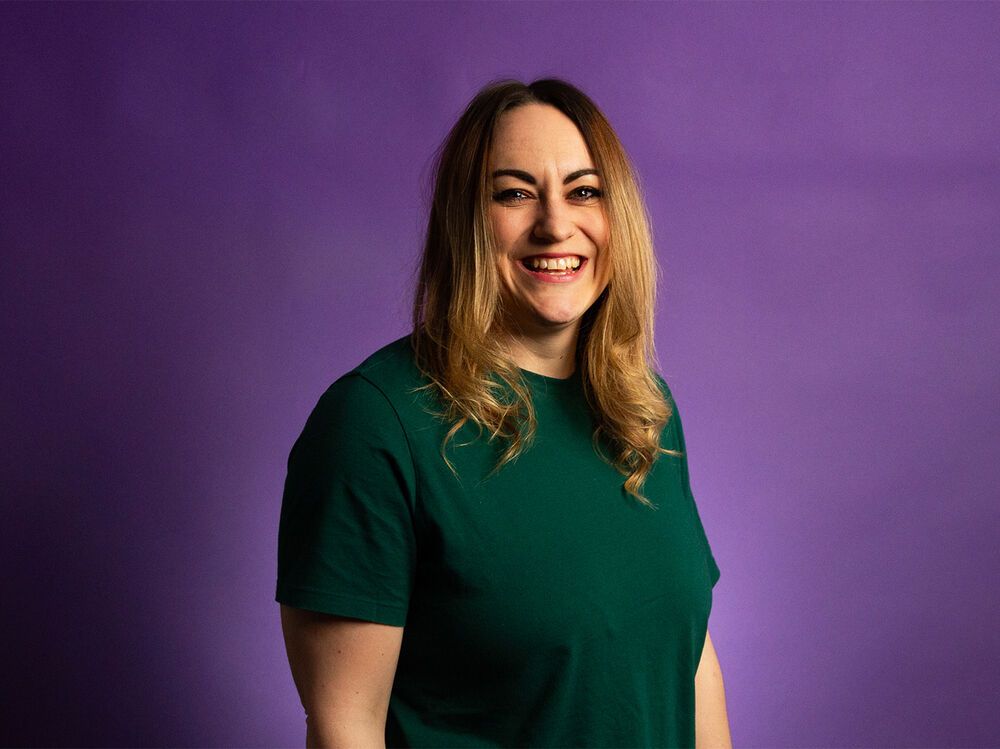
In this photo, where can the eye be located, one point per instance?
(587, 194)
(513, 195)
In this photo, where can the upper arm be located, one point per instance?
(346, 538)
(346, 561)
(711, 717)
(708, 665)
(343, 668)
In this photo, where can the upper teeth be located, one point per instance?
(555, 263)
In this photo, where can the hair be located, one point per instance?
(458, 306)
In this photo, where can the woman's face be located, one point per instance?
(546, 208)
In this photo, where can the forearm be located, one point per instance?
(711, 721)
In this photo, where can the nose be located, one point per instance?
(553, 223)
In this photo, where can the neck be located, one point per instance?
(552, 353)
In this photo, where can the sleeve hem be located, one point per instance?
(340, 605)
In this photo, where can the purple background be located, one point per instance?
(209, 212)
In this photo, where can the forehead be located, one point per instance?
(538, 135)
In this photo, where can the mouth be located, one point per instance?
(553, 268)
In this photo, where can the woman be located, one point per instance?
(487, 534)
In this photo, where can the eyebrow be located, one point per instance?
(526, 177)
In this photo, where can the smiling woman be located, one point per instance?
(488, 535)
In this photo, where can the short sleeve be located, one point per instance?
(675, 423)
(346, 542)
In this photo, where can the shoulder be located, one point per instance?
(664, 387)
(376, 380)
(356, 399)
(673, 432)
(393, 371)
(376, 396)
(352, 402)
(354, 430)
(394, 362)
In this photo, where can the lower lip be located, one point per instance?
(551, 278)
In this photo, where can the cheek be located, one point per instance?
(595, 226)
(603, 232)
(503, 231)
(603, 270)
(602, 236)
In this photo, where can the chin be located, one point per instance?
(550, 316)
(557, 320)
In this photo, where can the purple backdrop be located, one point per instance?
(209, 212)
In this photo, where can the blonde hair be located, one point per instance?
(458, 306)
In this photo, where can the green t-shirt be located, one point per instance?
(543, 606)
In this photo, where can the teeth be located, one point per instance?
(551, 263)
